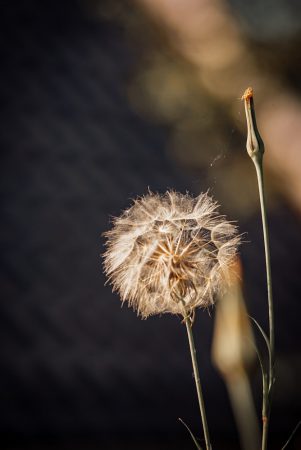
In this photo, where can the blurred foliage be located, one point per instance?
(192, 65)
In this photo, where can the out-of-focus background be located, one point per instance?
(99, 101)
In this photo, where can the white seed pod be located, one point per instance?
(170, 253)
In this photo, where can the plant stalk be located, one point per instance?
(267, 401)
(259, 172)
(197, 380)
(255, 149)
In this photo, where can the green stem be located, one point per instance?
(259, 172)
(265, 429)
(197, 381)
(267, 398)
(255, 149)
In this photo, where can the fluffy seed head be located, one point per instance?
(169, 253)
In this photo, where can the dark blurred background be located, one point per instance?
(99, 101)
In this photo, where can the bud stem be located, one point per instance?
(255, 149)
(197, 380)
(259, 172)
(267, 400)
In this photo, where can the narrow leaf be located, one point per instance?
(292, 435)
(263, 335)
(191, 434)
(263, 372)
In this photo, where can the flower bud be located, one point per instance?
(255, 145)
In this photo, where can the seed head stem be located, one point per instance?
(197, 380)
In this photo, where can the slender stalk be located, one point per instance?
(267, 400)
(197, 380)
(265, 429)
(255, 149)
(259, 172)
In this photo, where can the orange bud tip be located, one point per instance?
(247, 94)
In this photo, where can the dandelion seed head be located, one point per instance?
(169, 253)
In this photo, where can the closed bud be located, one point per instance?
(255, 145)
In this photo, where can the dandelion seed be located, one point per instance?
(169, 253)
